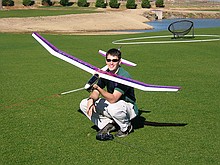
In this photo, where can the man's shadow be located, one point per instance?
(140, 122)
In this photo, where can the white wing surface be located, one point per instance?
(103, 74)
(64, 56)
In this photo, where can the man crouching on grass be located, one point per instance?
(117, 106)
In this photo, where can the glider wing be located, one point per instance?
(64, 56)
(137, 84)
(101, 73)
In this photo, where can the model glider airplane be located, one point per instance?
(101, 73)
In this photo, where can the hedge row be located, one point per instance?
(83, 3)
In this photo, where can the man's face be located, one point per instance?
(113, 63)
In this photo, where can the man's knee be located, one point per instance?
(83, 105)
(116, 109)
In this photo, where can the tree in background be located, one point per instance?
(28, 2)
(83, 3)
(46, 3)
(114, 4)
(145, 4)
(100, 3)
(131, 4)
(66, 3)
(159, 3)
(8, 3)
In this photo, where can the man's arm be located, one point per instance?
(91, 102)
(110, 97)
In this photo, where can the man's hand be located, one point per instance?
(90, 107)
(110, 97)
(95, 87)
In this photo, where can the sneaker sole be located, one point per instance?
(124, 135)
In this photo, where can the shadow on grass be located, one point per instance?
(140, 121)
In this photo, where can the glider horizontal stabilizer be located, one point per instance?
(102, 74)
(123, 61)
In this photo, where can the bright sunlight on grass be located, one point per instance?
(40, 127)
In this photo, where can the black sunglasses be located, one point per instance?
(113, 60)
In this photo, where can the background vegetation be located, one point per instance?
(201, 4)
(39, 127)
(129, 4)
(52, 11)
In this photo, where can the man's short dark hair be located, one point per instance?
(114, 52)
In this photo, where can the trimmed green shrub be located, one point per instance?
(28, 2)
(145, 4)
(8, 3)
(83, 3)
(159, 3)
(114, 4)
(131, 4)
(100, 3)
(46, 2)
(64, 2)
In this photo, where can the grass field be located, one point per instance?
(39, 127)
(45, 11)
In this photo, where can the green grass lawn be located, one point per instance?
(39, 127)
(46, 11)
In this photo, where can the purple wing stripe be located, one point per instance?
(65, 54)
(138, 82)
(174, 88)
